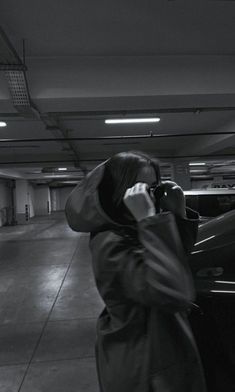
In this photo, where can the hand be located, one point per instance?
(139, 202)
(173, 199)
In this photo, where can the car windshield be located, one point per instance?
(211, 205)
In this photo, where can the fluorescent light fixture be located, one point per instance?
(56, 175)
(132, 120)
(197, 163)
(224, 282)
(62, 168)
(223, 291)
(198, 171)
(3, 124)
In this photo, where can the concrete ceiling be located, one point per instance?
(120, 28)
(86, 61)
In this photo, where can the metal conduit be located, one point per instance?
(103, 113)
(126, 137)
(103, 159)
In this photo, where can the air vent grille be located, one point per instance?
(18, 88)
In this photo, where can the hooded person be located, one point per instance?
(139, 246)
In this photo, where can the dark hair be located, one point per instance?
(121, 172)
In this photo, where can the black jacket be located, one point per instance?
(141, 272)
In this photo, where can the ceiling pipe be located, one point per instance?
(104, 113)
(126, 137)
(98, 160)
(9, 58)
(153, 111)
(55, 126)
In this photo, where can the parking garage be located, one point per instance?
(80, 82)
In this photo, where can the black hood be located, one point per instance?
(83, 209)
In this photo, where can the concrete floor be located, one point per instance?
(48, 308)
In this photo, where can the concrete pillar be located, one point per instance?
(22, 201)
(42, 200)
(54, 199)
(5, 202)
(181, 174)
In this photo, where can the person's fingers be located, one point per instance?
(139, 187)
(144, 186)
(127, 193)
(132, 191)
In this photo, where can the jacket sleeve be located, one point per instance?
(155, 274)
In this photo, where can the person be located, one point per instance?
(139, 245)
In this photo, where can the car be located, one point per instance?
(212, 261)
(210, 202)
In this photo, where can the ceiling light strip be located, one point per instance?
(132, 120)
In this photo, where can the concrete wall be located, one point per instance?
(59, 197)
(5, 201)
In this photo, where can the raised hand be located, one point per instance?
(139, 202)
(173, 199)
